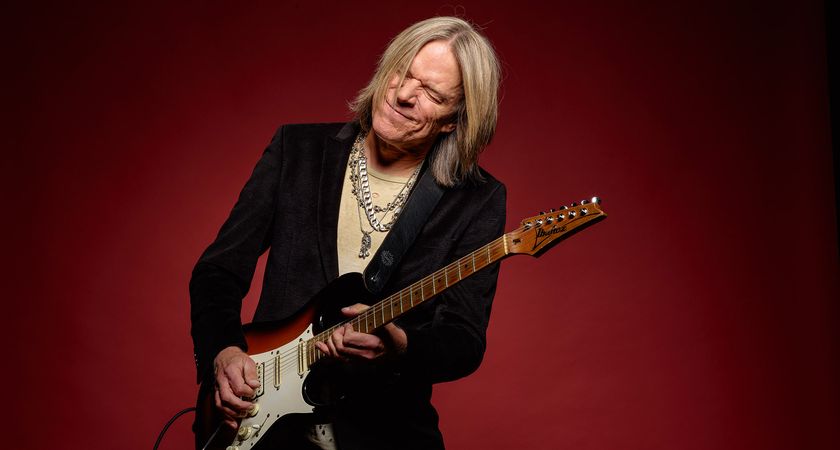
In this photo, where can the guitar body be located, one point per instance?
(286, 387)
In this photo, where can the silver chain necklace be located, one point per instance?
(361, 190)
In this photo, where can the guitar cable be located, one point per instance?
(168, 424)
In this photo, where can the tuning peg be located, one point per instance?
(596, 200)
(574, 204)
(560, 217)
(563, 207)
(583, 202)
(584, 212)
(571, 214)
(528, 225)
(542, 213)
(551, 210)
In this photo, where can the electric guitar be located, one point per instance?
(285, 351)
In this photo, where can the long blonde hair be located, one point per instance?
(455, 155)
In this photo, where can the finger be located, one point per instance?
(359, 353)
(322, 347)
(232, 400)
(364, 345)
(336, 342)
(331, 347)
(235, 378)
(229, 413)
(251, 373)
(363, 341)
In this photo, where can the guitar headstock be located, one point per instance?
(537, 233)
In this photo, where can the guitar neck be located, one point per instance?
(405, 300)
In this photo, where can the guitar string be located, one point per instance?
(388, 303)
(429, 281)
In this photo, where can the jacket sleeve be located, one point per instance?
(452, 345)
(223, 274)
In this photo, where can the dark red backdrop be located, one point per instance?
(701, 315)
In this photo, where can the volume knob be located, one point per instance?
(254, 410)
(244, 433)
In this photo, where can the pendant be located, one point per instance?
(364, 251)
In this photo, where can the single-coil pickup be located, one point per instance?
(261, 379)
(277, 369)
(301, 354)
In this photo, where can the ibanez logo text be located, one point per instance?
(543, 235)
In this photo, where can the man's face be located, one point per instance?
(412, 115)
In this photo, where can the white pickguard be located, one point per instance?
(277, 396)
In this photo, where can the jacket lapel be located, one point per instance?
(336, 154)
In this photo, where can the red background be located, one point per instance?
(701, 315)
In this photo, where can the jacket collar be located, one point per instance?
(334, 165)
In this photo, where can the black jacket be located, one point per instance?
(290, 206)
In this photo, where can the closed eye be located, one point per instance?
(432, 97)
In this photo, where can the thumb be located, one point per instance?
(354, 310)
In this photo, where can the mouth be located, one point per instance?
(410, 119)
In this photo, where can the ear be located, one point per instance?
(448, 128)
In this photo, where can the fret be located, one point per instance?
(383, 315)
(459, 270)
(488, 254)
(401, 302)
(411, 296)
(473, 260)
(391, 304)
(446, 276)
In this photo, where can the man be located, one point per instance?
(324, 197)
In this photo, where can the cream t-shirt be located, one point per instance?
(352, 219)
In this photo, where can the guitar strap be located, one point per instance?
(420, 204)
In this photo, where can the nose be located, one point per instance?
(407, 92)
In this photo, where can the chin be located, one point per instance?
(387, 132)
